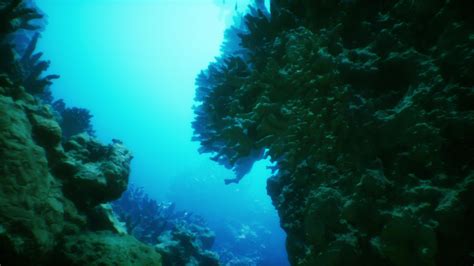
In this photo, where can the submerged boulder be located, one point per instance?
(94, 173)
(103, 218)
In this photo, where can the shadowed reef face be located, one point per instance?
(367, 111)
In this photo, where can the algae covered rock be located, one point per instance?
(48, 211)
(187, 246)
(50, 192)
(38, 210)
(95, 173)
(103, 218)
(105, 248)
(31, 199)
(367, 111)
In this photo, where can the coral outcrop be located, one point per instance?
(94, 173)
(367, 111)
(187, 245)
(53, 196)
(33, 208)
(73, 120)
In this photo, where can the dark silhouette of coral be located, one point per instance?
(32, 69)
(24, 66)
(366, 110)
(15, 15)
(73, 120)
(147, 219)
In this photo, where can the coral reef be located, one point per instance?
(73, 120)
(366, 109)
(181, 237)
(187, 245)
(53, 195)
(16, 15)
(244, 244)
(94, 173)
(31, 68)
(146, 218)
(106, 249)
(25, 67)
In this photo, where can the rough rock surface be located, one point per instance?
(50, 196)
(31, 200)
(103, 217)
(94, 173)
(105, 248)
(187, 246)
(367, 109)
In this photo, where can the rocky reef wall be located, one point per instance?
(54, 192)
(52, 196)
(367, 110)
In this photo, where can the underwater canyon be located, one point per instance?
(365, 111)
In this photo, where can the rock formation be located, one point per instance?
(367, 110)
(52, 195)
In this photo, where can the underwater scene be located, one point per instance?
(237, 132)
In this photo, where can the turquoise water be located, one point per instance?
(133, 63)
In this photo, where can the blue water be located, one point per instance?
(132, 63)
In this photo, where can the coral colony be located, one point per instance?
(366, 110)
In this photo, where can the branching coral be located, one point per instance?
(147, 219)
(26, 69)
(32, 69)
(181, 237)
(15, 15)
(73, 120)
